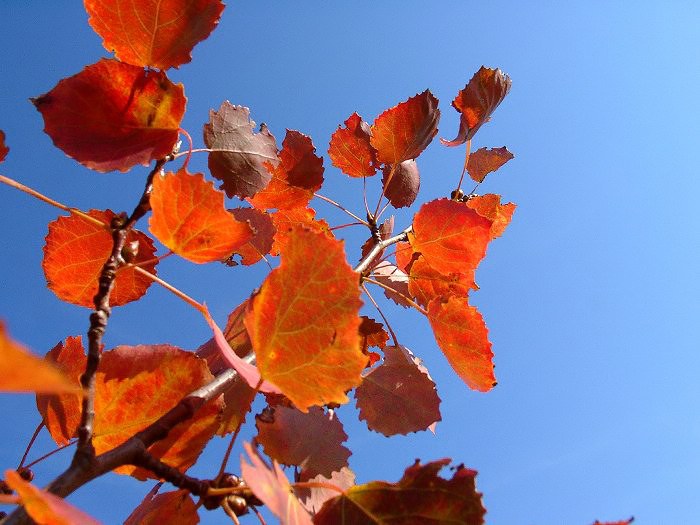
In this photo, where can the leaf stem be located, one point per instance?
(405, 298)
(189, 151)
(31, 442)
(197, 306)
(384, 187)
(42, 458)
(330, 201)
(391, 331)
(466, 161)
(345, 226)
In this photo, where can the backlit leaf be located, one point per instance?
(4, 150)
(426, 284)
(404, 184)
(420, 497)
(285, 221)
(404, 131)
(43, 507)
(24, 372)
(390, 275)
(304, 322)
(490, 206)
(295, 179)
(112, 116)
(462, 336)
(189, 218)
(343, 479)
(350, 149)
(398, 396)
(483, 161)
(475, 103)
(75, 251)
(264, 232)
(242, 167)
(153, 34)
(174, 508)
(372, 333)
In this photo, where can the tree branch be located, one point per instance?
(377, 248)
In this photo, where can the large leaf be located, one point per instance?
(304, 322)
(350, 149)
(112, 116)
(483, 161)
(189, 217)
(75, 251)
(426, 284)
(173, 508)
(153, 34)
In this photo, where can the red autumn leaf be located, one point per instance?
(189, 218)
(372, 333)
(112, 116)
(295, 179)
(311, 440)
(479, 98)
(273, 489)
(137, 385)
(490, 206)
(173, 508)
(398, 396)
(421, 496)
(285, 220)
(61, 413)
(75, 251)
(391, 276)
(24, 372)
(4, 150)
(404, 131)
(483, 161)
(350, 150)
(304, 322)
(426, 284)
(342, 479)
(45, 508)
(242, 167)
(153, 34)
(404, 184)
(264, 231)
(462, 336)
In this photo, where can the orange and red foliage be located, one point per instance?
(350, 149)
(483, 161)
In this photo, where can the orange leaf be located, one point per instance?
(4, 150)
(172, 508)
(426, 284)
(372, 333)
(189, 217)
(350, 149)
(483, 161)
(462, 336)
(112, 116)
(285, 220)
(75, 251)
(261, 243)
(24, 372)
(479, 98)
(295, 179)
(490, 206)
(404, 184)
(404, 131)
(304, 322)
(45, 508)
(61, 413)
(153, 34)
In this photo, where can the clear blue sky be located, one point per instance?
(591, 297)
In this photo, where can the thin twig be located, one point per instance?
(392, 290)
(377, 248)
(464, 169)
(345, 226)
(364, 194)
(384, 187)
(42, 458)
(330, 201)
(391, 331)
(31, 442)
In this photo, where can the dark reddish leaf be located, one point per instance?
(404, 131)
(304, 322)
(391, 276)
(24, 372)
(311, 441)
(350, 149)
(285, 220)
(112, 116)
(153, 34)
(61, 413)
(43, 507)
(462, 336)
(483, 161)
(264, 232)
(420, 497)
(398, 396)
(75, 251)
(190, 219)
(490, 206)
(623, 522)
(385, 231)
(242, 167)
(343, 479)
(273, 489)
(173, 508)
(295, 179)
(480, 97)
(4, 150)
(404, 184)
(372, 333)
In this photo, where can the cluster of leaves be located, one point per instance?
(301, 328)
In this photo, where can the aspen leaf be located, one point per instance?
(153, 34)
(490, 206)
(372, 333)
(112, 116)
(342, 479)
(426, 284)
(242, 168)
(404, 184)
(350, 149)
(304, 322)
(190, 219)
(75, 251)
(420, 496)
(174, 508)
(404, 131)
(391, 276)
(43, 507)
(483, 161)
(4, 150)
(264, 232)
(285, 220)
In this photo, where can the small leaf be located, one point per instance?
(190, 219)
(404, 184)
(372, 333)
(483, 161)
(350, 150)
(343, 479)
(75, 251)
(264, 231)
(404, 131)
(391, 276)
(112, 116)
(242, 168)
(490, 206)
(4, 150)
(174, 508)
(153, 34)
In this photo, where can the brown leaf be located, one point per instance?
(350, 149)
(483, 161)
(4, 150)
(343, 479)
(404, 184)
(391, 276)
(264, 232)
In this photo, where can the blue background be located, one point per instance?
(591, 296)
